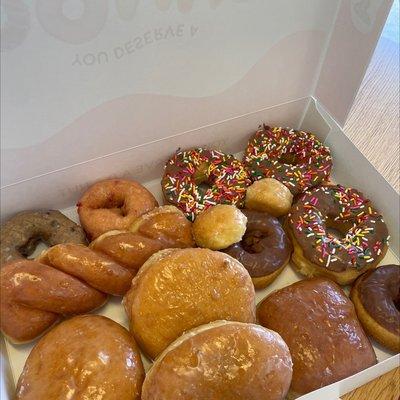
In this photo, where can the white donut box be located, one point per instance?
(95, 89)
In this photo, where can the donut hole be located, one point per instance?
(202, 178)
(33, 247)
(290, 159)
(337, 229)
(252, 241)
(115, 204)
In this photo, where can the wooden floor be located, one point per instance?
(373, 125)
(387, 387)
(373, 122)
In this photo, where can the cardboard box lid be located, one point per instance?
(82, 79)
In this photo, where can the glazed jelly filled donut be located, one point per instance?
(199, 178)
(295, 158)
(337, 233)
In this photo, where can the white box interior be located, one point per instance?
(61, 189)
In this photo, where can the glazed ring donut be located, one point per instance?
(20, 234)
(296, 158)
(264, 249)
(376, 296)
(199, 178)
(337, 233)
(113, 204)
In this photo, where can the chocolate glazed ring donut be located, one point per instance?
(20, 234)
(376, 296)
(264, 249)
(336, 233)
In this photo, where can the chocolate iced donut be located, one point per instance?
(298, 159)
(264, 249)
(20, 234)
(197, 179)
(337, 233)
(376, 296)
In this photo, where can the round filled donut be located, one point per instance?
(337, 233)
(113, 204)
(21, 233)
(85, 357)
(199, 178)
(179, 289)
(264, 249)
(376, 296)
(222, 360)
(296, 158)
(319, 324)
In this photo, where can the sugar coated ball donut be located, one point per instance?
(179, 289)
(199, 178)
(219, 226)
(295, 158)
(222, 360)
(337, 233)
(113, 204)
(269, 195)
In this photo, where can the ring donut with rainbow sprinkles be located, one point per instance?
(337, 233)
(199, 178)
(296, 158)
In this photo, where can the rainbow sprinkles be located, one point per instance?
(296, 158)
(361, 235)
(198, 178)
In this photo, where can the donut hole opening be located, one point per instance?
(336, 229)
(202, 178)
(33, 248)
(252, 241)
(290, 159)
(116, 205)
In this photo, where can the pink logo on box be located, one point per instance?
(73, 21)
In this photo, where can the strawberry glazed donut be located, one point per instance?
(295, 158)
(113, 204)
(197, 179)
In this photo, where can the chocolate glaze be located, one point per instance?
(295, 158)
(196, 179)
(364, 233)
(264, 247)
(379, 293)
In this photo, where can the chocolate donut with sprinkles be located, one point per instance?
(198, 178)
(295, 158)
(337, 233)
